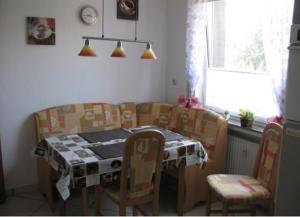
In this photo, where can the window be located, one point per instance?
(238, 75)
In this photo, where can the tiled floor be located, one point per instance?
(34, 204)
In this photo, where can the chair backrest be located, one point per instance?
(142, 164)
(267, 159)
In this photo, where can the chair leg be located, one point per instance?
(225, 208)
(122, 210)
(253, 210)
(62, 207)
(272, 208)
(134, 211)
(97, 200)
(208, 202)
(155, 207)
(84, 198)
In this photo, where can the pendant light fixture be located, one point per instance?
(87, 51)
(119, 51)
(149, 53)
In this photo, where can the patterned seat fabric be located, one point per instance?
(143, 155)
(199, 124)
(238, 187)
(128, 114)
(153, 114)
(271, 147)
(78, 118)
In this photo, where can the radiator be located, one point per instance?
(241, 155)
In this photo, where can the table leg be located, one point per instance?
(49, 192)
(97, 200)
(84, 198)
(180, 193)
(45, 181)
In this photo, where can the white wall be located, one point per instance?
(176, 46)
(34, 77)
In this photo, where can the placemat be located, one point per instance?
(169, 135)
(104, 136)
(109, 151)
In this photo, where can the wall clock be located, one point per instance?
(89, 15)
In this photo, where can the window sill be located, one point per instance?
(252, 134)
(256, 128)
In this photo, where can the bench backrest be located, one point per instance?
(200, 124)
(153, 113)
(77, 118)
(128, 114)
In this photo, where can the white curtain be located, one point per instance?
(276, 35)
(196, 47)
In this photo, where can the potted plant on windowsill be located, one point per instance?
(246, 118)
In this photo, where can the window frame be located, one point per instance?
(259, 121)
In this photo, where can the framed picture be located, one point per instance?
(128, 9)
(40, 30)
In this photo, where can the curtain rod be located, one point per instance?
(115, 39)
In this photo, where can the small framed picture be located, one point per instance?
(41, 30)
(128, 9)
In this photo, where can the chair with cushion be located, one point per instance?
(245, 190)
(140, 175)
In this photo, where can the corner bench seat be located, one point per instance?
(204, 125)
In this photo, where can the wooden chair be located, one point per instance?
(245, 190)
(140, 175)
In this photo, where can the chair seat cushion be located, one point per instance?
(238, 187)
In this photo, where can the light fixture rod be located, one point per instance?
(102, 18)
(116, 39)
(135, 30)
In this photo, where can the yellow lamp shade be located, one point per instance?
(119, 51)
(87, 51)
(149, 53)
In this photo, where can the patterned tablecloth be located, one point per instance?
(81, 167)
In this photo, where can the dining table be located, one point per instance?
(91, 158)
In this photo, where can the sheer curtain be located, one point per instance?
(196, 47)
(276, 35)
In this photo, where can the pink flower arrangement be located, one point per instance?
(276, 119)
(186, 102)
